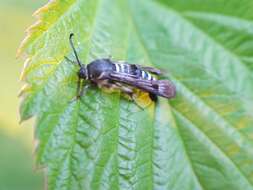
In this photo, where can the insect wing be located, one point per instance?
(150, 69)
(159, 87)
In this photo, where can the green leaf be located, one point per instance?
(202, 139)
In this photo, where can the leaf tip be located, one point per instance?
(23, 73)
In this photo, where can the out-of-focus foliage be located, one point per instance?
(17, 169)
(200, 140)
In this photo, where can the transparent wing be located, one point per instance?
(152, 70)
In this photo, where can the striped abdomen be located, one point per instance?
(146, 75)
(133, 70)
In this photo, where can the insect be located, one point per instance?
(122, 76)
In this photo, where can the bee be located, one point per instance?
(120, 75)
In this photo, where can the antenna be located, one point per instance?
(72, 46)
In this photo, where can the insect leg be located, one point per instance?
(141, 100)
(83, 89)
(78, 87)
(125, 89)
(110, 86)
(77, 91)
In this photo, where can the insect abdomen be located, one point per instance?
(123, 68)
(146, 75)
(132, 69)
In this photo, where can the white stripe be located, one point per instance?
(121, 68)
(117, 68)
(143, 74)
(149, 76)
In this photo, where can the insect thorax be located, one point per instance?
(98, 67)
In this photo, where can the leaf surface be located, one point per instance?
(202, 139)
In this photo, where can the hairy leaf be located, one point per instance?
(202, 139)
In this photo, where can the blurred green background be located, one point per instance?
(17, 167)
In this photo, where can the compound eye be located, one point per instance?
(82, 73)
